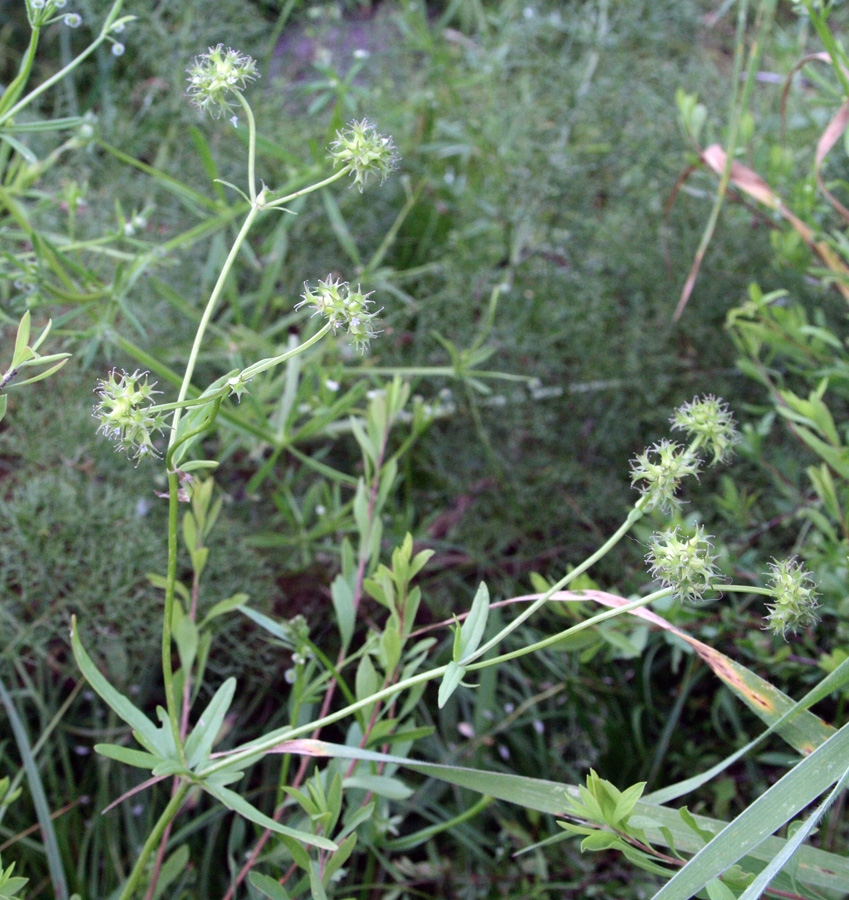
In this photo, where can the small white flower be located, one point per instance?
(73, 20)
(331, 385)
(118, 49)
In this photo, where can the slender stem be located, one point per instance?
(255, 369)
(58, 76)
(210, 308)
(167, 816)
(587, 623)
(22, 77)
(251, 146)
(634, 515)
(271, 740)
(168, 613)
(273, 204)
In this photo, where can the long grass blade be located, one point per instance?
(39, 798)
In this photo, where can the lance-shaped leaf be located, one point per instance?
(146, 733)
(239, 805)
(200, 741)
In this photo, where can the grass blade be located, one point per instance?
(39, 799)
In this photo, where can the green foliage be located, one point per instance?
(504, 238)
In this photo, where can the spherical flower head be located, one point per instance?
(795, 595)
(685, 564)
(710, 424)
(125, 412)
(658, 471)
(216, 75)
(343, 307)
(366, 152)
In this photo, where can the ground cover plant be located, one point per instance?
(316, 783)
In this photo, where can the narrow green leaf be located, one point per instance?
(147, 733)
(280, 630)
(42, 809)
(172, 869)
(268, 887)
(128, 756)
(475, 624)
(366, 681)
(239, 805)
(343, 605)
(340, 857)
(200, 741)
(21, 340)
(224, 606)
(316, 884)
(42, 375)
(450, 682)
(627, 800)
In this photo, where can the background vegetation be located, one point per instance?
(529, 234)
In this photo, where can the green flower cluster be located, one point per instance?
(709, 423)
(216, 75)
(658, 471)
(685, 564)
(343, 307)
(126, 412)
(361, 148)
(794, 592)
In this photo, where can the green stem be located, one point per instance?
(251, 147)
(633, 516)
(153, 839)
(274, 204)
(58, 76)
(253, 370)
(22, 77)
(168, 612)
(587, 623)
(210, 308)
(271, 740)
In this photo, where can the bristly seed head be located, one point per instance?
(342, 306)
(709, 423)
(216, 75)
(658, 471)
(685, 564)
(359, 146)
(795, 595)
(125, 412)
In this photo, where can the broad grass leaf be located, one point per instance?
(761, 882)
(787, 797)
(816, 867)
